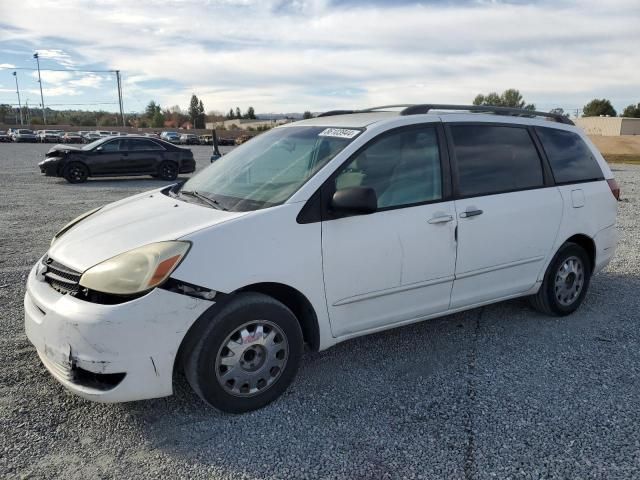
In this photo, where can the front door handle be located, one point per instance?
(440, 219)
(470, 213)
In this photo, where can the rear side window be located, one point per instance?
(570, 158)
(493, 159)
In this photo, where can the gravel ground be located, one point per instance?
(496, 392)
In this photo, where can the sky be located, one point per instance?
(317, 55)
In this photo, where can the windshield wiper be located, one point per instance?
(209, 201)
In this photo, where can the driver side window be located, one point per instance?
(402, 167)
(112, 146)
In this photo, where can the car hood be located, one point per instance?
(60, 147)
(130, 223)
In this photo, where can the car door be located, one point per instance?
(142, 156)
(508, 210)
(105, 159)
(396, 264)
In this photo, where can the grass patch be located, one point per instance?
(615, 158)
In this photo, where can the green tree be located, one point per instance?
(201, 116)
(157, 121)
(597, 107)
(559, 111)
(307, 114)
(194, 109)
(230, 115)
(238, 113)
(151, 109)
(632, 111)
(510, 98)
(251, 114)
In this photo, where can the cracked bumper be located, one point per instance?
(138, 338)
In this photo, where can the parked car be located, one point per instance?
(226, 142)
(91, 137)
(205, 139)
(111, 157)
(152, 135)
(50, 136)
(189, 139)
(72, 137)
(24, 135)
(242, 138)
(172, 137)
(317, 232)
(4, 137)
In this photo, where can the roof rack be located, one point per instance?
(517, 112)
(418, 109)
(366, 110)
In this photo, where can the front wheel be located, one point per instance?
(246, 355)
(168, 170)
(565, 282)
(76, 172)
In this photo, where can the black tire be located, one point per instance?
(75, 172)
(554, 299)
(168, 170)
(207, 348)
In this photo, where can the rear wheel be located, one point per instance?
(75, 172)
(246, 355)
(168, 170)
(565, 282)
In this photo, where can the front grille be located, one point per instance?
(62, 279)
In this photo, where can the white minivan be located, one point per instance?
(316, 232)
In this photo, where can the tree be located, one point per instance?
(230, 115)
(509, 98)
(151, 109)
(632, 111)
(238, 113)
(251, 114)
(194, 109)
(201, 116)
(307, 114)
(559, 111)
(157, 121)
(597, 107)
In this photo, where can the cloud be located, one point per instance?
(318, 54)
(7, 65)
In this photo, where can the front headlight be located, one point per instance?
(72, 222)
(136, 271)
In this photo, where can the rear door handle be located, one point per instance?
(470, 213)
(440, 219)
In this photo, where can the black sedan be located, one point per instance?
(118, 156)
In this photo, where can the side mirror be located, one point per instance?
(355, 200)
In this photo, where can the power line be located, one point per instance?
(66, 104)
(59, 70)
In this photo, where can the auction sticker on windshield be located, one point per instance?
(338, 132)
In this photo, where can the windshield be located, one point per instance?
(94, 144)
(268, 169)
(28, 132)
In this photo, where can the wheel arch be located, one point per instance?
(587, 243)
(295, 300)
(298, 303)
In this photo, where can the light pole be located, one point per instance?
(44, 115)
(19, 105)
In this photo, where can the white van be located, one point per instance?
(314, 233)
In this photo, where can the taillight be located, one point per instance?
(615, 189)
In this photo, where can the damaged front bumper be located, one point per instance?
(109, 353)
(50, 166)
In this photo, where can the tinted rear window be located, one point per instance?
(493, 159)
(570, 158)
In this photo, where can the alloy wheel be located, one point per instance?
(251, 358)
(569, 281)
